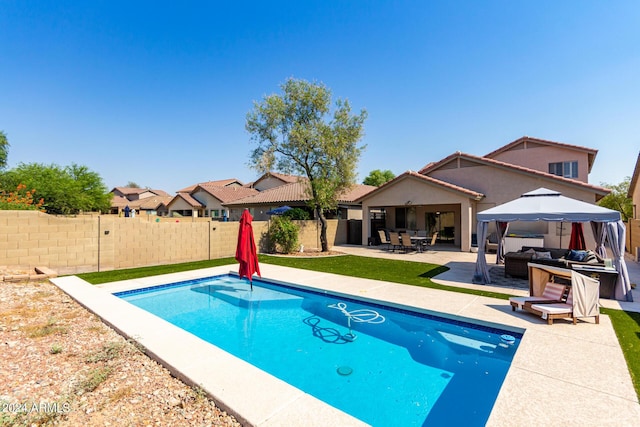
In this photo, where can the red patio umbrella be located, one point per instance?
(577, 237)
(246, 253)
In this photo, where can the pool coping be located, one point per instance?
(557, 371)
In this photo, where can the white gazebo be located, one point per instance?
(548, 205)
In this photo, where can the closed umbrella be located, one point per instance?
(246, 253)
(576, 241)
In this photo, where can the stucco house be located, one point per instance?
(446, 195)
(143, 200)
(278, 190)
(207, 200)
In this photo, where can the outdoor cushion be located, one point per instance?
(552, 292)
(574, 255)
(542, 255)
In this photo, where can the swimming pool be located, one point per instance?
(383, 365)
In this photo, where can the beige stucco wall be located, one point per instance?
(538, 157)
(29, 239)
(502, 185)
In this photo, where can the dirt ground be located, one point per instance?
(60, 365)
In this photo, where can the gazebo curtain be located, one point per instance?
(481, 275)
(600, 234)
(616, 236)
(501, 229)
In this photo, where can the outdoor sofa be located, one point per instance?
(515, 263)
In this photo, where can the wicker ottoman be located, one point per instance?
(515, 264)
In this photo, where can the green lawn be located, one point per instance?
(626, 324)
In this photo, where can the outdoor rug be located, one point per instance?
(498, 279)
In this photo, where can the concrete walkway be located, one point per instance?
(462, 266)
(562, 374)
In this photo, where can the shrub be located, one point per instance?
(283, 235)
(20, 199)
(297, 214)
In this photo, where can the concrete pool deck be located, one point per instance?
(562, 374)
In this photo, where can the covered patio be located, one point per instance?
(417, 202)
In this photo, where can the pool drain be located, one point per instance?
(345, 370)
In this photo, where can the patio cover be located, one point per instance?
(548, 205)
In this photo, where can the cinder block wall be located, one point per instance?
(106, 242)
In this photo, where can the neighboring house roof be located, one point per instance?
(529, 140)
(130, 191)
(119, 202)
(295, 192)
(217, 183)
(447, 185)
(153, 203)
(188, 199)
(227, 194)
(601, 191)
(635, 179)
(286, 179)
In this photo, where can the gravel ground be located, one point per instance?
(60, 365)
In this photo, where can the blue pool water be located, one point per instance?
(383, 365)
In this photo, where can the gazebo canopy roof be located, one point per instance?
(548, 205)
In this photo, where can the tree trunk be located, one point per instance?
(323, 230)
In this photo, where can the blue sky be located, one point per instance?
(157, 92)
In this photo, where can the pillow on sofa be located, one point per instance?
(529, 251)
(578, 256)
(542, 255)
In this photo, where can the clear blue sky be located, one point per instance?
(157, 92)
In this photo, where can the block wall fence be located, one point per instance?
(88, 243)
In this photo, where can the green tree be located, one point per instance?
(65, 190)
(617, 199)
(378, 177)
(297, 132)
(4, 149)
(132, 184)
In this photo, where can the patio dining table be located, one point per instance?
(418, 241)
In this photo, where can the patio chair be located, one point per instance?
(583, 300)
(384, 240)
(394, 238)
(407, 245)
(491, 244)
(556, 310)
(553, 293)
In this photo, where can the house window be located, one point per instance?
(565, 169)
(215, 213)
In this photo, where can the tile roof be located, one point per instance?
(133, 190)
(119, 202)
(217, 183)
(153, 203)
(590, 151)
(295, 192)
(496, 163)
(287, 179)
(447, 185)
(129, 190)
(187, 198)
(227, 194)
